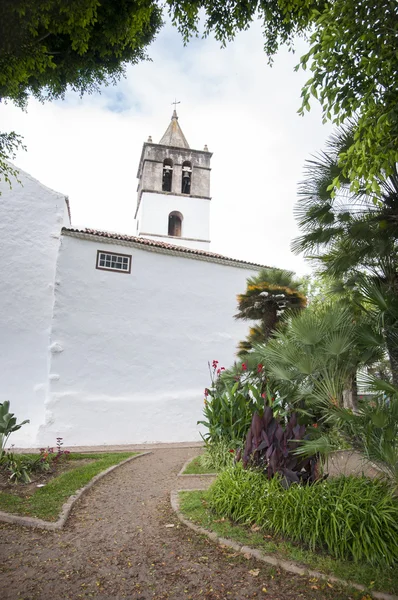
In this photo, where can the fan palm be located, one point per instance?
(268, 296)
(315, 357)
(353, 236)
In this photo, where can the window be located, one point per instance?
(186, 177)
(113, 262)
(167, 175)
(175, 224)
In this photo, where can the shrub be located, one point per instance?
(217, 455)
(229, 406)
(271, 447)
(352, 518)
(8, 424)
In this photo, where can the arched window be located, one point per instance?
(167, 174)
(186, 177)
(175, 223)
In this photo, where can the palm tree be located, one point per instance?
(353, 235)
(268, 296)
(314, 359)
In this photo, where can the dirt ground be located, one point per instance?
(116, 544)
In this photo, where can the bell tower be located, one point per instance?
(173, 203)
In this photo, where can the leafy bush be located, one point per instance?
(217, 455)
(350, 517)
(19, 467)
(372, 430)
(271, 447)
(229, 406)
(8, 424)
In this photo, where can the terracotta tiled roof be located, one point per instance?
(161, 245)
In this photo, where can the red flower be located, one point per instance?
(244, 367)
(315, 424)
(215, 363)
(222, 369)
(231, 451)
(260, 368)
(218, 371)
(206, 392)
(263, 395)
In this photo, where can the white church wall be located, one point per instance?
(31, 217)
(132, 349)
(154, 218)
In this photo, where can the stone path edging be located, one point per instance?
(185, 465)
(286, 565)
(67, 507)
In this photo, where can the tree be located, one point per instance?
(353, 236)
(352, 57)
(314, 359)
(48, 46)
(268, 295)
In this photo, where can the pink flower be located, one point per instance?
(244, 367)
(222, 369)
(263, 395)
(260, 368)
(215, 363)
(206, 392)
(218, 371)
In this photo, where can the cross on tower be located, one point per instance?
(175, 103)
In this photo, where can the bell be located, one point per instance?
(185, 175)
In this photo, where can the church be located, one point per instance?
(106, 337)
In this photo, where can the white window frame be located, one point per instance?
(107, 261)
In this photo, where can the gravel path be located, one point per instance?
(116, 544)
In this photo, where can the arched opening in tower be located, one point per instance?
(186, 177)
(175, 224)
(167, 175)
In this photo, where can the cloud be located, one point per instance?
(231, 100)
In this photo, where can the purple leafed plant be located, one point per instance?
(269, 446)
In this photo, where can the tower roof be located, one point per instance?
(173, 135)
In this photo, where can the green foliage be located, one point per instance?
(228, 407)
(194, 506)
(46, 502)
(197, 466)
(352, 59)
(268, 296)
(16, 466)
(372, 430)
(316, 356)
(49, 45)
(353, 518)
(9, 144)
(217, 456)
(353, 65)
(8, 424)
(353, 237)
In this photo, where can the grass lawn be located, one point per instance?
(46, 502)
(194, 507)
(195, 468)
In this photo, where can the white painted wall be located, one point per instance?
(153, 218)
(31, 217)
(131, 351)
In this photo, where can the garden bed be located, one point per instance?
(194, 506)
(56, 486)
(195, 467)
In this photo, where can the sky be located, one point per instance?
(231, 99)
